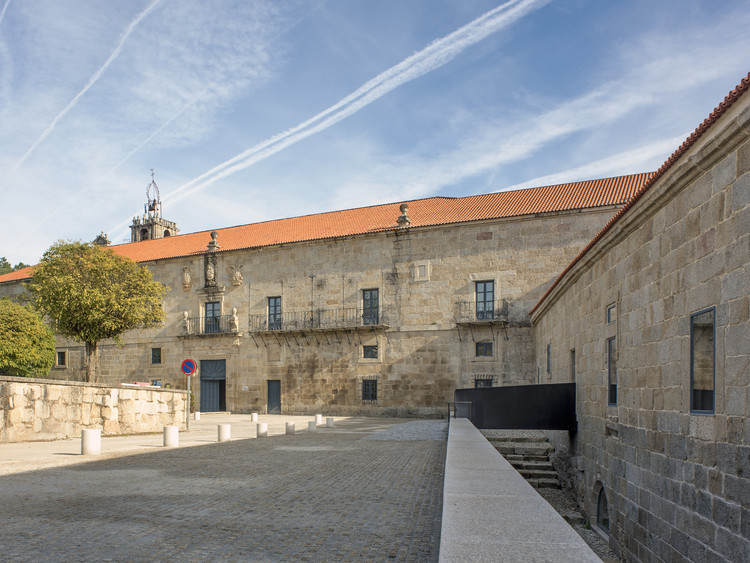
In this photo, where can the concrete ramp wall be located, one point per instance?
(490, 512)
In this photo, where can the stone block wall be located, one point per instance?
(677, 482)
(422, 354)
(40, 409)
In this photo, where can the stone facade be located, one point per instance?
(425, 332)
(39, 409)
(675, 469)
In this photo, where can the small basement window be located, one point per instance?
(370, 352)
(369, 389)
(483, 349)
(482, 382)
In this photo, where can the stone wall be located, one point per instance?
(41, 409)
(421, 275)
(677, 482)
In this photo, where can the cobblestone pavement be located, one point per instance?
(321, 496)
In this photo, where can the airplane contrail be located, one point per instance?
(5, 9)
(435, 55)
(89, 84)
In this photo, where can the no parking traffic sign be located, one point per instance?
(188, 366)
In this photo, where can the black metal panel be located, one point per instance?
(213, 370)
(532, 407)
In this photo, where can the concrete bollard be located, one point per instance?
(91, 441)
(224, 432)
(311, 426)
(262, 430)
(329, 422)
(254, 417)
(171, 436)
(318, 419)
(197, 415)
(290, 428)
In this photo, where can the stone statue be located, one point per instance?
(186, 277)
(234, 321)
(209, 273)
(185, 323)
(237, 275)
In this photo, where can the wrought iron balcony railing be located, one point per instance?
(319, 319)
(201, 326)
(473, 312)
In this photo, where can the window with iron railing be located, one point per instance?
(274, 313)
(370, 306)
(485, 300)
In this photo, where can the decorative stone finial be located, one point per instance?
(102, 239)
(214, 244)
(403, 220)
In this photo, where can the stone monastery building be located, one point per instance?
(636, 289)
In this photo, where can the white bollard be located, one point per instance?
(171, 436)
(262, 430)
(318, 419)
(91, 441)
(224, 432)
(329, 422)
(311, 426)
(290, 428)
(254, 417)
(197, 415)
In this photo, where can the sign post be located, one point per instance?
(188, 367)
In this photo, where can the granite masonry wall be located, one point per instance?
(677, 481)
(422, 276)
(41, 409)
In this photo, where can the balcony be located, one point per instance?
(319, 319)
(210, 326)
(496, 312)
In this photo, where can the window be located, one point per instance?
(61, 360)
(155, 355)
(602, 511)
(369, 389)
(485, 294)
(483, 349)
(549, 359)
(370, 307)
(213, 314)
(422, 271)
(702, 361)
(573, 365)
(370, 352)
(482, 382)
(611, 313)
(274, 313)
(612, 370)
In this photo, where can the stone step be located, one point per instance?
(538, 474)
(532, 465)
(545, 483)
(524, 449)
(519, 439)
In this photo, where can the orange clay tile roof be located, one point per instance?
(378, 218)
(712, 118)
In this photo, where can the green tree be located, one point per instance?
(89, 293)
(6, 268)
(27, 345)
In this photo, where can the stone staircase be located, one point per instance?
(528, 452)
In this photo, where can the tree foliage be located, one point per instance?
(6, 268)
(27, 345)
(89, 293)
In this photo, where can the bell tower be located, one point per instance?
(152, 225)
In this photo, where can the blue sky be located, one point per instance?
(256, 110)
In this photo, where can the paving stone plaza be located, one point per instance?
(367, 489)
